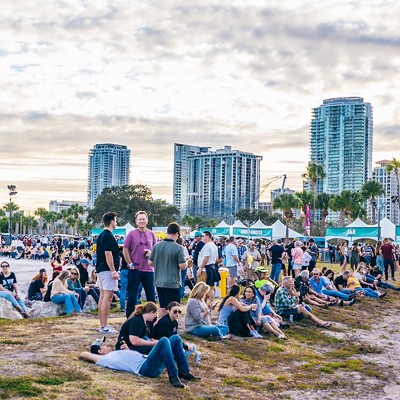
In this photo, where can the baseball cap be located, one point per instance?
(42, 270)
(279, 241)
(197, 233)
(95, 346)
(85, 261)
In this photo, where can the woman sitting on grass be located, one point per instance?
(9, 289)
(61, 295)
(38, 287)
(197, 319)
(235, 315)
(354, 285)
(136, 331)
(250, 298)
(168, 326)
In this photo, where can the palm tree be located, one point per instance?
(30, 222)
(323, 200)
(76, 211)
(63, 215)
(50, 217)
(306, 197)
(192, 221)
(394, 166)
(313, 173)
(41, 213)
(287, 202)
(347, 203)
(369, 191)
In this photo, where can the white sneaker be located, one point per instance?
(107, 329)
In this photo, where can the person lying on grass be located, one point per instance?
(162, 355)
(286, 299)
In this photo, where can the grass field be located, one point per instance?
(358, 358)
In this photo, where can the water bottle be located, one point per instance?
(198, 357)
(291, 318)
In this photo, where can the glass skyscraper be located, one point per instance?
(108, 166)
(220, 183)
(341, 141)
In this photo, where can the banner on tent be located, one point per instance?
(217, 231)
(346, 232)
(397, 230)
(253, 232)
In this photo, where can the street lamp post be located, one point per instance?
(380, 208)
(13, 192)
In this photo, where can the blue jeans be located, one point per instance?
(369, 292)
(70, 301)
(210, 330)
(162, 356)
(123, 277)
(379, 262)
(136, 277)
(275, 272)
(183, 279)
(12, 300)
(336, 293)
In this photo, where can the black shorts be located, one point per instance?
(166, 295)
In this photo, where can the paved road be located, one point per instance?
(25, 270)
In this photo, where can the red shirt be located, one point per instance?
(387, 251)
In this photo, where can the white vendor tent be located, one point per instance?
(279, 231)
(259, 225)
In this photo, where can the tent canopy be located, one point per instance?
(239, 224)
(259, 225)
(279, 231)
(222, 224)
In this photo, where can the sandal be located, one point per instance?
(341, 303)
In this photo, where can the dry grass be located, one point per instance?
(39, 360)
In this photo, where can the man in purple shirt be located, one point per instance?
(137, 248)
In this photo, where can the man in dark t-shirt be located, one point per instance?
(107, 269)
(387, 250)
(341, 281)
(275, 253)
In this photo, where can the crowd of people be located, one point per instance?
(270, 285)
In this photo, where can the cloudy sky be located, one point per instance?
(150, 73)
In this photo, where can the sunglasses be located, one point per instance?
(176, 311)
(73, 273)
(316, 274)
(5, 266)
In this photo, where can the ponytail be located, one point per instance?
(145, 308)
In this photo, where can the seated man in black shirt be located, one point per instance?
(341, 284)
(168, 326)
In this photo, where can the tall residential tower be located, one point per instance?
(108, 166)
(341, 141)
(219, 183)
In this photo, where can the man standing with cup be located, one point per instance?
(137, 248)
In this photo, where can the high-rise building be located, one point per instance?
(386, 204)
(220, 183)
(341, 141)
(58, 206)
(181, 174)
(108, 166)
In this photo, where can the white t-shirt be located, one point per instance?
(123, 360)
(211, 250)
(231, 251)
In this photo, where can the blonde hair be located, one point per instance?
(199, 290)
(78, 275)
(63, 276)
